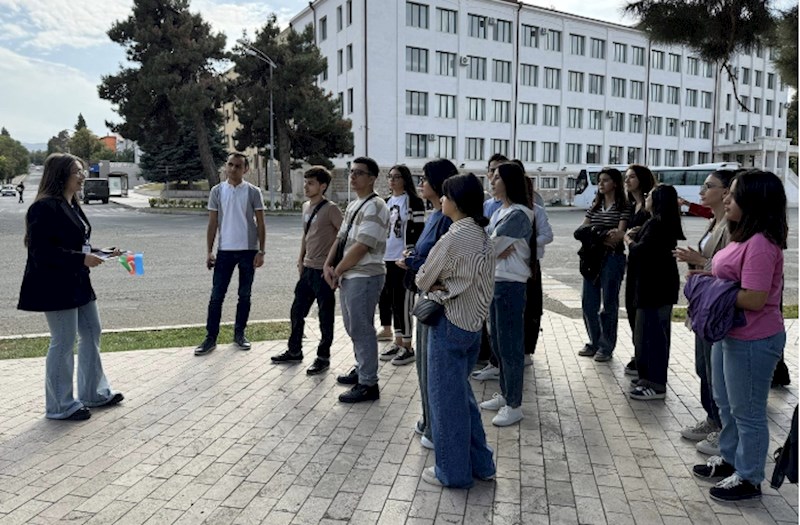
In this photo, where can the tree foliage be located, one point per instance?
(81, 124)
(715, 29)
(308, 123)
(14, 157)
(58, 143)
(176, 159)
(171, 80)
(784, 39)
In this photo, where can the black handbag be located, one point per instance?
(427, 311)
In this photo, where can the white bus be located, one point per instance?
(687, 181)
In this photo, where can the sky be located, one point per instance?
(53, 53)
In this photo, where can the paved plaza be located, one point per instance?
(231, 438)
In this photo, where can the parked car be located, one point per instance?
(8, 190)
(95, 189)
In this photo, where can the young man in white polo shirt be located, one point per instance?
(236, 210)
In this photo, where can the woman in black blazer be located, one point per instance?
(56, 282)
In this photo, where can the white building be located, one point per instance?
(463, 79)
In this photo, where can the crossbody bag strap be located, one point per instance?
(353, 218)
(314, 214)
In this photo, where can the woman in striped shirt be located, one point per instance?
(459, 274)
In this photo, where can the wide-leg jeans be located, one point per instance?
(506, 315)
(359, 297)
(601, 323)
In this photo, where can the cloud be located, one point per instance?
(40, 98)
(232, 18)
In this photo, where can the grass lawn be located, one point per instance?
(146, 339)
(789, 312)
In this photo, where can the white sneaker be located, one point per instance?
(487, 373)
(699, 431)
(495, 403)
(425, 442)
(507, 416)
(528, 360)
(710, 445)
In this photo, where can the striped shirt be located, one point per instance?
(462, 262)
(370, 228)
(610, 219)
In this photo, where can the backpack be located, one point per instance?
(786, 458)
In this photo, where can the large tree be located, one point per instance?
(784, 39)
(81, 123)
(171, 80)
(307, 121)
(715, 29)
(58, 143)
(176, 158)
(14, 157)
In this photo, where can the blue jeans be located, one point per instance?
(422, 375)
(359, 297)
(82, 323)
(458, 436)
(742, 373)
(227, 261)
(507, 335)
(310, 287)
(702, 367)
(601, 324)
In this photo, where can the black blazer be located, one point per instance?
(55, 276)
(656, 281)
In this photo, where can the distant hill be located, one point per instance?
(35, 146)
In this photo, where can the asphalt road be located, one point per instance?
(175, 287)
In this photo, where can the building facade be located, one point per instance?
(463, 79)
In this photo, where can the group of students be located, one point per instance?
(734, 287)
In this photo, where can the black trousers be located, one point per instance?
(396, 302)
(652, 342)
(312, 287)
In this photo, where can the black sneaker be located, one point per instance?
(350, 378)
(79, 415)
(734, 488)
(360, 393)
(206, 347)
(116, 399)
(287, 357)
(630, 368)
(587, 351)
(242, 342)
(390, 353)
(715, 467)
(318, 366)
(404, 357)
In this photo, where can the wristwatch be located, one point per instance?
(261, 252)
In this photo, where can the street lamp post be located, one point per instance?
(254, 52)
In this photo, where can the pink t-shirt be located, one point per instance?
(757, 264)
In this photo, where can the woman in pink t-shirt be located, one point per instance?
(743, 362)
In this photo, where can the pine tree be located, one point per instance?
(81, 124)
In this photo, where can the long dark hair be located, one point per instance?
(57, 170)
(513, 178)
(414, 200)
(761, 197)
(725, 176)
(666, 210)
(466, 192)
(647, 180)
(619, 190)
(436, 172)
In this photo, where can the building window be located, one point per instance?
(526, 150)
(656, 92)
(349, 9)
(770, 80)
(691, 98)
(349, 56)
(502, 71)
(529, 35)
(527, 113)
(350, 100)
(702, 157)
(617, 87)
(447, 147)
(477, 68)
(598, 48)
(671, 157)
(767, 132)
(551, 183)
(323, 28)
(705, 130)
(757, 105)
(708, 69)
(728, 102)
(501, 111)
(637, 55)
(549, 151)
(745, 75)
(502, 31)
(574, 153)
(758, 80)
(474, 148)
(657, 59)
(477, 108)
(576, 81)
(416, 15)
(768, 108)
(690, 129)
(654, 125)
(594, 152)
(417, 103)
(595, 119)
(577, 44)
(552, 78)
(340, 102)
(551, 114)
(339, 19)
(477, 26)
(597, 84)
(692, 66)
(447, 20)
(416, 146)
(756, 132)
(416, 59)
(324, 75)
(635, 123)
(500, 146)
(445, 64)
(673, 95)
(705, 99)
(674, 63)
(634, 155)
(340, 61)
(553, 42)
(618, 121)
(529, 75)
(671, 128)
(574, 118)
(446, 106)
(620, 52)
(637, 90)
(653, 156)
(615, 154)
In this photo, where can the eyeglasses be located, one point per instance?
(357, 173)
(80, 173)
(707, 186)
(394, 177)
